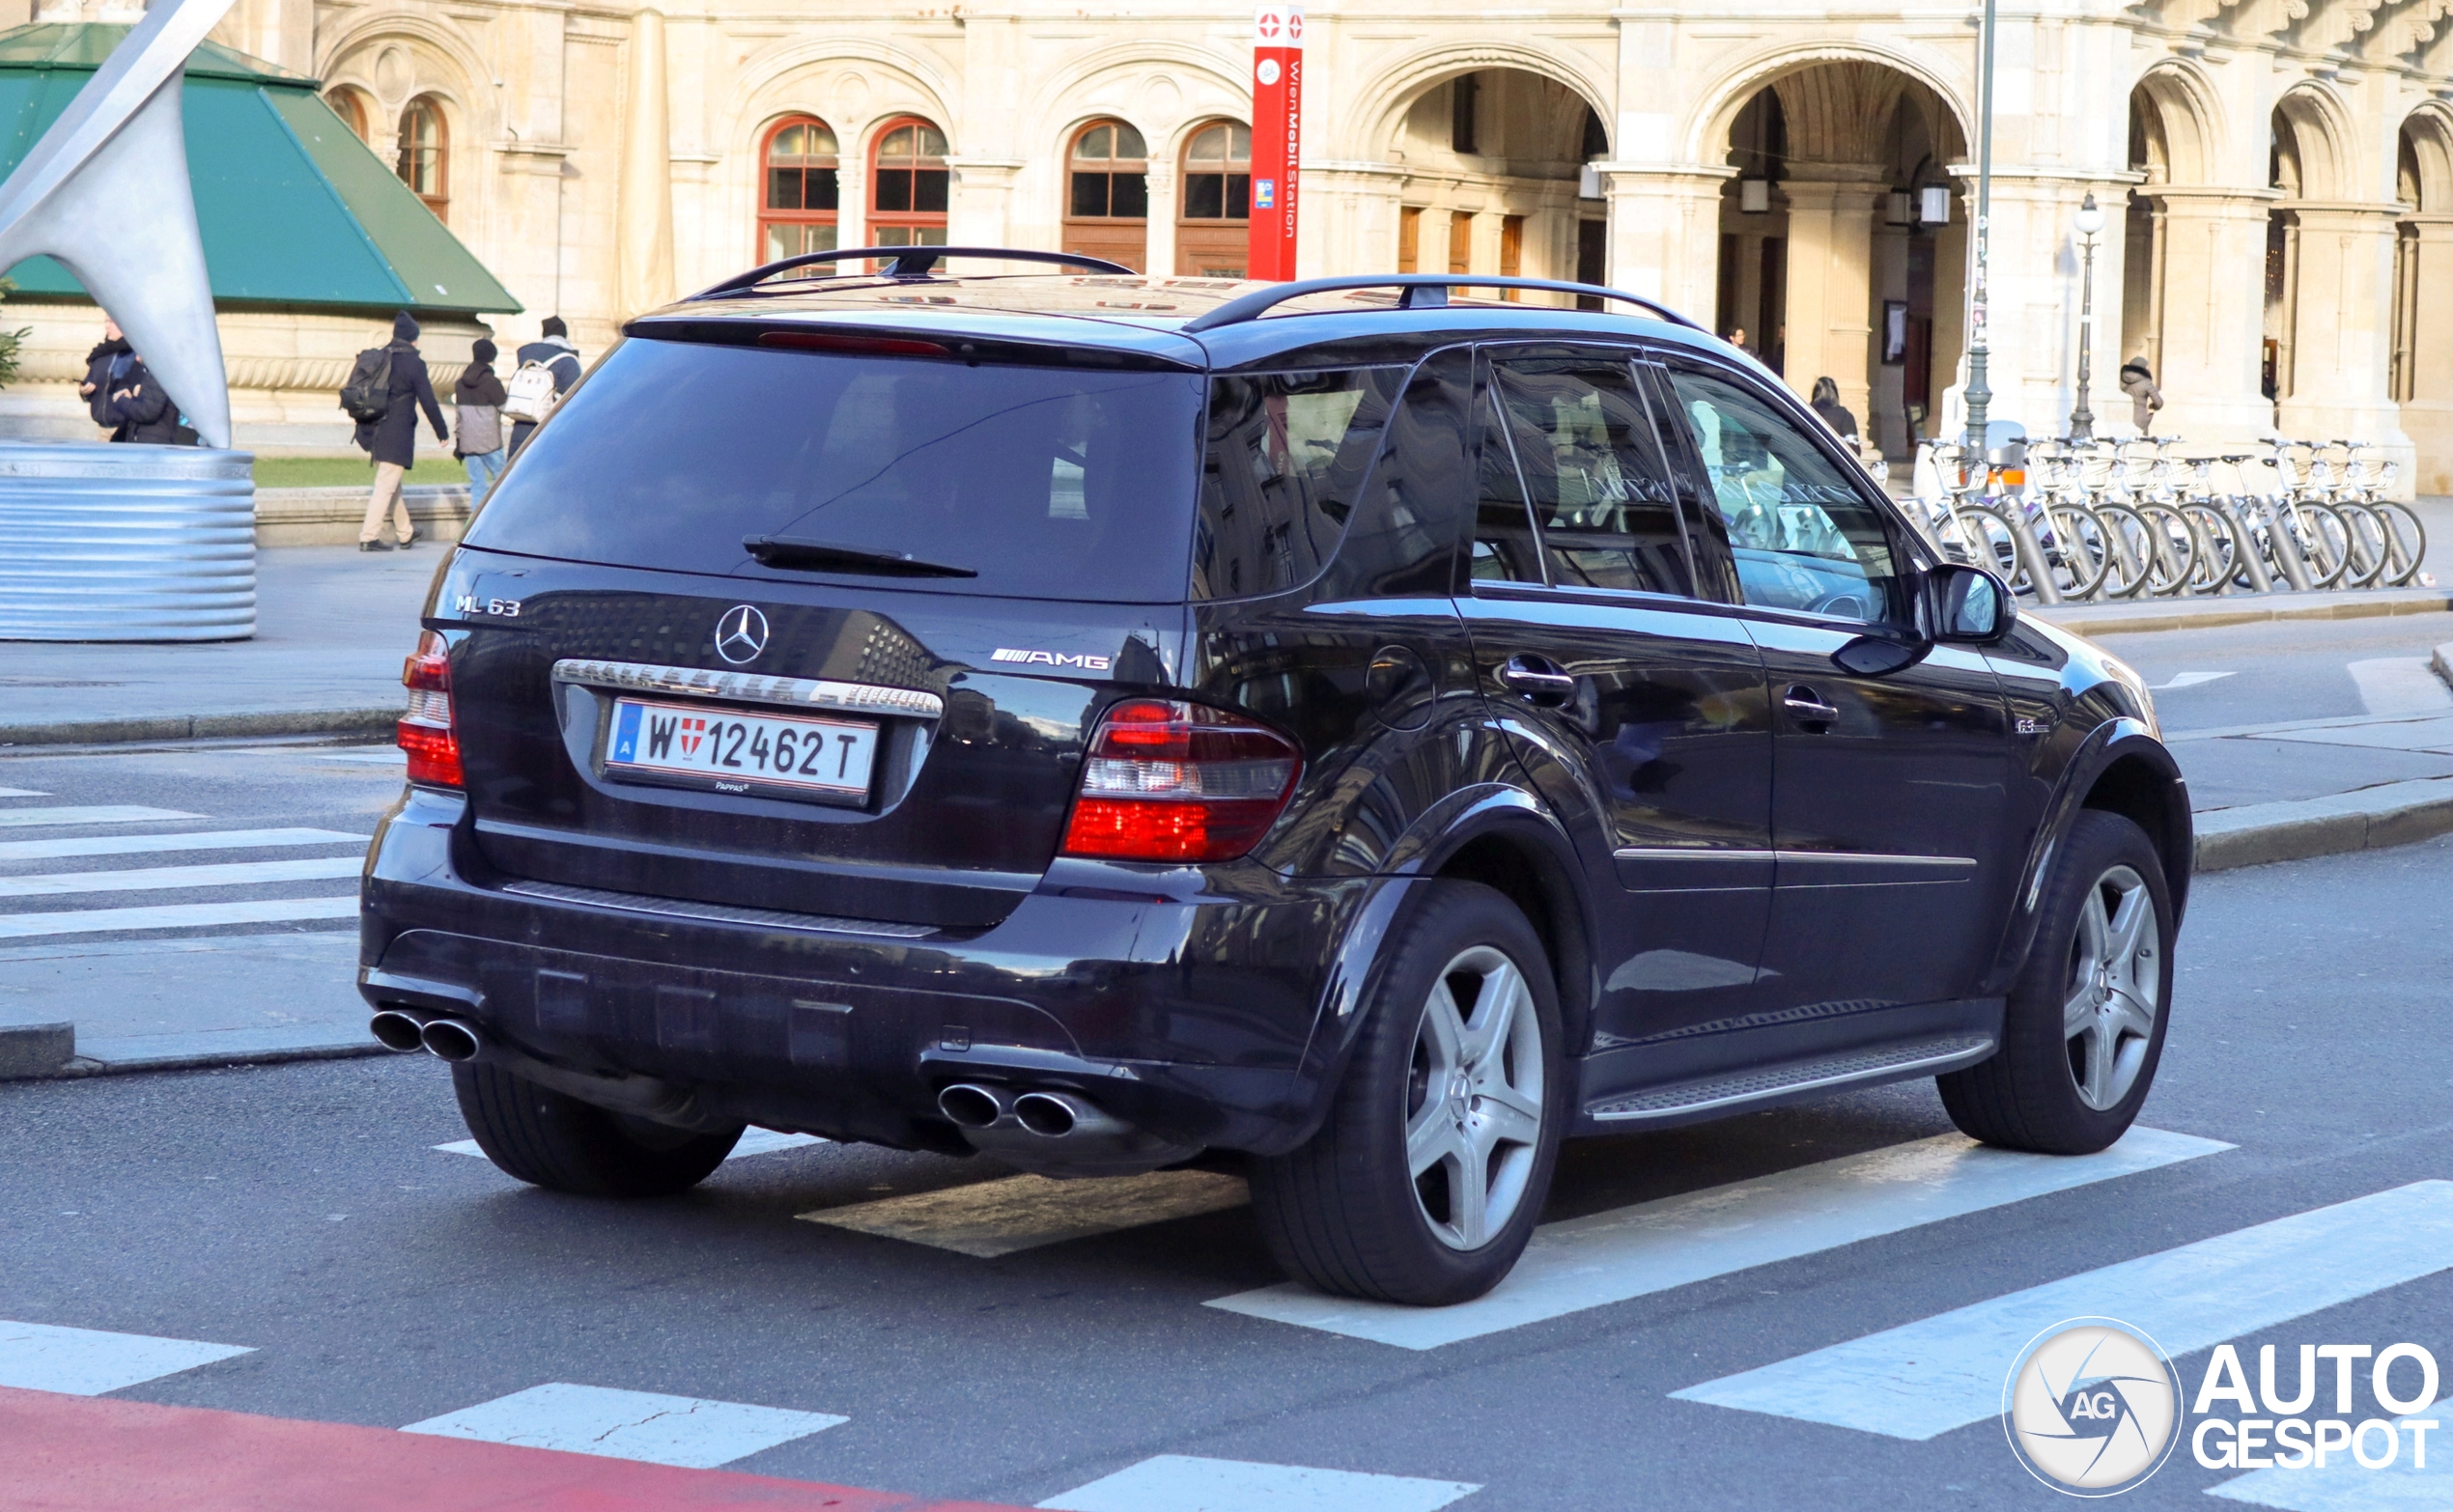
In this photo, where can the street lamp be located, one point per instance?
(2089, 220)
(1980, 393)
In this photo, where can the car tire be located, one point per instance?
(552, 1140)
(1355, 1210)
(2080, 1038)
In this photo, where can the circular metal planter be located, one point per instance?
(127, 543)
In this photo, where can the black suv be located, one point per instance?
(1362, 737)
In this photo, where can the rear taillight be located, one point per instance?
(1169, 782)
(426, 730)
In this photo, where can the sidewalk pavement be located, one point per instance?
(128, 1005)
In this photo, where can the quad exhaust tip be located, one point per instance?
(396, 1031)
(449, 1038)
(971, 1106)
(1043, 1113)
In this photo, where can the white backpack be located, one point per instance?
(529, 396)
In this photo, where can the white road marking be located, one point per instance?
(21, 793)
(1927, 1377)
(153, 878)
(2182, 680)
(40, 1356)
(142, 844)
(1184, 1483)
(86, 814)
(1653, 1246)
(996, 1217)
(753, 1141)
(628, 1425)
(176, 915)
(2344, 1485)
(2401, 686)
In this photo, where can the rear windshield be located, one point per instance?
(1047, 482)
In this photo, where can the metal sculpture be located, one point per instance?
(106, 192)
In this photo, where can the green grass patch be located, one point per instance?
(348, 472)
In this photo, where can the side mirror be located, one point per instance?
(1967, 604)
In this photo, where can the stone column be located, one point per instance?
(1159, 234)
(2213, 313)
(1349, 219)
(979, 209)
(1665, 234)
(2343, 347)
(644, 240)
(852, 194)
(1831, 329)
(2427, 418)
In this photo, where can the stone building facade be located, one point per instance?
(2277, 174)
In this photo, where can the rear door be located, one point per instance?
(1637, 708)
(976, 555)
(1889, 791)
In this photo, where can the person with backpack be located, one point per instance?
(547, 368)
(479, 398)
(386, 388)
(106, 369)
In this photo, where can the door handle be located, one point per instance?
(1806, 706)
(1539, 680)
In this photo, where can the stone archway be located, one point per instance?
(2421, 370)
(1830, 263)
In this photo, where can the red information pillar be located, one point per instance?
(1277, 137)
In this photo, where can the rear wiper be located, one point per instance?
(791, 551)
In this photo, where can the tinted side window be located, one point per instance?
(1505, 548)
(1593, 474)
(1286, 457)
(1802, 535)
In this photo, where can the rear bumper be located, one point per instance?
(1183, 1011)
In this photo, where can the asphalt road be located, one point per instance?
(303, 1212)
(2241, 675)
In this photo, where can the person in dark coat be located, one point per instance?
(1835, 414)
(552, 347)
(392, 442)
(477, 404)
(106, 372)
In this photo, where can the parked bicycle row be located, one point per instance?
(2066, 519)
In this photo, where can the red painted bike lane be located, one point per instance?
(94, 1454)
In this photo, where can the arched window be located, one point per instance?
(907, 185)
(1214, 218)
(1108, 194)
(424, 153)
(797, 210)
(351, 106)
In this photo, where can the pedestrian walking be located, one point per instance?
(477, 399)
(2145, 399)
(386, 388)
(549, 356)
(1826, 403)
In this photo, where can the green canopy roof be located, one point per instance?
(295, 209)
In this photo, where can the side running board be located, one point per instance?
(1716, 1095)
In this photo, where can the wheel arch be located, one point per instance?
(2156, 800)
(2120, 767)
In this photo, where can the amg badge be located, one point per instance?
(1050, 659)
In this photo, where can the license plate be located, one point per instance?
(729, 751)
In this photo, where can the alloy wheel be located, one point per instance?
(1475, 1098)
(2115, 983)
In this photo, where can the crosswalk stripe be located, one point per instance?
(21, 793)
(628, 1425)
(1187, 1483)
(753, 1141)
(989, 1218)
(156, 879)
(141, 845)
(86, 814)
(42, 1357)
(1653, 1246)
(1927, 1377)
(2342, 1484)
(176, 915)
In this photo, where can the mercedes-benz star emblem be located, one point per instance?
(741, 634)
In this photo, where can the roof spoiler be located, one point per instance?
(904, 263)
(1421, 292)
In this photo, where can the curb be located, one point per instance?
(2131, 619)
(2371, 819)
(2443, 661)
(203, 727)
(47, 1051)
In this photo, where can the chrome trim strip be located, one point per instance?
(1704, 853)
(1639, 852)
(715, 913)
(1954, 1059)
(910, 703)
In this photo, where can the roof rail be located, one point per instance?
(903, 263)
(1423, 292)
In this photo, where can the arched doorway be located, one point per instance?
(1841, 250)
(1106, 211)
(1493, 179)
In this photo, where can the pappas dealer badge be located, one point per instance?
(2091, 1406)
